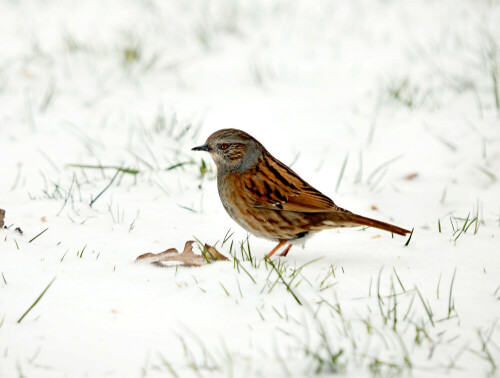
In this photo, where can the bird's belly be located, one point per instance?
(267, 224)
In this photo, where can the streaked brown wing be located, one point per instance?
(274, 186)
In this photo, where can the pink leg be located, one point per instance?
(285, 252)
(273, 251)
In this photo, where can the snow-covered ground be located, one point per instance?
(401, 94)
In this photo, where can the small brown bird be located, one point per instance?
(268, 199)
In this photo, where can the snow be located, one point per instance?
(136, 84)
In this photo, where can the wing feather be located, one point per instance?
(274, 186)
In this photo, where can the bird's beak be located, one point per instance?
(201, 148)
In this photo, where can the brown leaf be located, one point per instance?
(376, 236)
(43, 219)
(374, 207)
(411, 176)
(187, 257)
(2, 217)
(211, 253)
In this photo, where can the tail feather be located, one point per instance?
(353, 220)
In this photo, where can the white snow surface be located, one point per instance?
(390, 88)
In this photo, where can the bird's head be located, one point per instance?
(232, 150)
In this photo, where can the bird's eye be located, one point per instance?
(224, 146)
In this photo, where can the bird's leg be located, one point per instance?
(273, 251)
(285, 252)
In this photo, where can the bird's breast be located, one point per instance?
(265, 223)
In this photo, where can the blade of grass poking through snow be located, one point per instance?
(487, 173)
(106, 188)
(341, 174)
(203, 168)
(38, 235)
(427, 308)
(447, 143)
(225, 290)
(408, 241)
(400, 283)
(284, 282)
(381, 166)
(295, 158)
(359, 174)
(465, 227)
(168, 366)
(451, 302)
(227, 237)
(69, 195)
(439, 283)
(443, 196)
(495, 87)
(475, 220)
(207, 255)
(239, 265)
(178, 165)
(130, 171)
(36, 301)
(379, 297)
(452, 225)
(297, 271)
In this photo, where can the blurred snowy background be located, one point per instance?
(390, 107)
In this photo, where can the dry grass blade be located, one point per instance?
(2, 217)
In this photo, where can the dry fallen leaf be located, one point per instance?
(374, 207)
(187, 257)
(376, 236)
(2, 216)
(411, 176)
(211, 254)
(43, 219)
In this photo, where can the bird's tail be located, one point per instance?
(349, 219)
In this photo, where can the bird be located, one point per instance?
(268, 199)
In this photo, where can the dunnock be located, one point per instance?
(268, 199)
